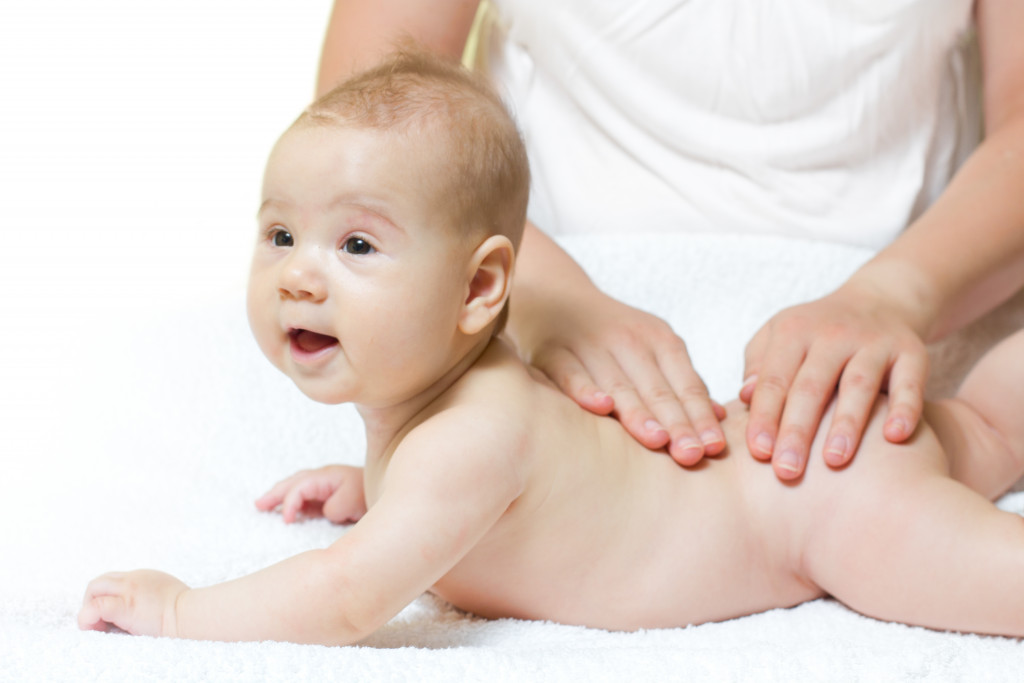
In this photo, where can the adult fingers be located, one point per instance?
(775, 375)
(653, 395)
(858, 390)
(564, 368)
(702, 413)
(906, 395)
(811, 390)
(605, 371)
(753, 357)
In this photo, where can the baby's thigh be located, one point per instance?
(858, 510)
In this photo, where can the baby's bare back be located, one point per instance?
(608, 534)
(611, 535)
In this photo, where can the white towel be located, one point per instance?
(167, 428)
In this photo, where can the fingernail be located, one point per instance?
(838, 445)
(899, 425)
(764, 443)
(709, 437)
(690, 445)
(653, 426)
(789, 461)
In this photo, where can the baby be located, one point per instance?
(388, 228)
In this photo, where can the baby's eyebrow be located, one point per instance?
(371, 207)
(270, 201)
(376, 208)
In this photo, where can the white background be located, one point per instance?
(132, 140)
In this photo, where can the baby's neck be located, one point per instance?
(386, 424)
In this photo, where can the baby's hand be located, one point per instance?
(334, 491)
(141, 603)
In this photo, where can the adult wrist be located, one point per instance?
(898, 288)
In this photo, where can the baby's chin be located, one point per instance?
(318, 389)
(326, 395)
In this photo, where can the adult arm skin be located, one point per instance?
(360, 32)
(960, 259)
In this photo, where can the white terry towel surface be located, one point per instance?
(137, 434)
(167, 430)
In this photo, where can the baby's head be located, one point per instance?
(391, 212)
(478, 163)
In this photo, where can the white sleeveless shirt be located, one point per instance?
(836, 120)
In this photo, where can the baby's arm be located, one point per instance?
(336, 491)
(447, 484)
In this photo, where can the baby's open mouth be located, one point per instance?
(310, 341)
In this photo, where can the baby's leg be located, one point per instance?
(905, 542)
(982, 428)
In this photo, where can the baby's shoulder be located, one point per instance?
(487, 413)
(462, 445)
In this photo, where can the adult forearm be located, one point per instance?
(360, 32)
(546, 281)
(542, 261)
(301, 599)
(965, 255)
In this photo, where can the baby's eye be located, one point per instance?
(357, 246)
(282, 238)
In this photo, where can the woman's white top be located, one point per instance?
(835, 120)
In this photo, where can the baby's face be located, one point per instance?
(356, 281)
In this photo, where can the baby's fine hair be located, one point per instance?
(483, 172)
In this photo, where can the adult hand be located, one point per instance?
(851, 343)
(610, 357)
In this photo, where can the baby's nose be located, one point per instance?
(302, 277)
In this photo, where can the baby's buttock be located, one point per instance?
(789, 516)
(743, 535)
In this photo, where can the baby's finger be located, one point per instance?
(110, 583)
(101, 612)
(269, 500)
(906, 396)
(275, 496)
(812, 389)
(310, 489)
(565, 369)
(292, 504)
(347, 504)
(769, 398)
(858, 389)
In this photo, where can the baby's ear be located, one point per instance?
(489, 284)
